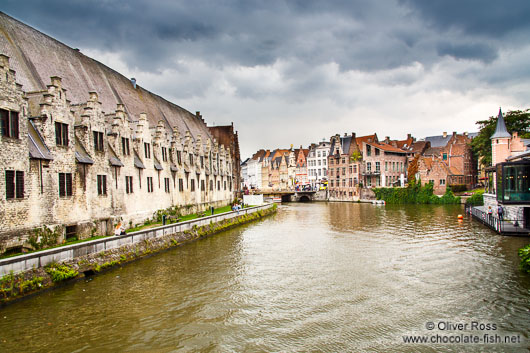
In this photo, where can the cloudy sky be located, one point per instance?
(295, 72)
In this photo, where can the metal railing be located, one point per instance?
(502, 226)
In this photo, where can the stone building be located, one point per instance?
(82, 147)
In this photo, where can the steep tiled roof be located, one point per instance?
(138, 162)
(387, 147)
(36, 57)
(113, 158)
(405, 143)
(365, 139)
(157, 164)
(455, 171)
(37, 147)
(81, 154)
(433, 151)
(418, 146)
(438, 141)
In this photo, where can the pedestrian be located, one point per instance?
(500, 212)
(119, 230)
(490, 213)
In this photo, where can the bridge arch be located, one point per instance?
(304, 198)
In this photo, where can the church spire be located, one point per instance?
(500, 130)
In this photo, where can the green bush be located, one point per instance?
(415, 193)
(477, 199)
(60, 272)
(524, 253)
(458, 187)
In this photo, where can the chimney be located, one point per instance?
(409, 136)
(387, 139)
(353, 135)
(465, 133)
(444, 134)
(345, 134)
(56, 81)
(4, 61)
(133, 81)
(454, 133)
(93, 96)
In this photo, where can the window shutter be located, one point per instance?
(20, 184)
(14, 124)
(104, 185)
(68, 181)
(57, 134)
(65, 134)
(10, 184)
(4, 115)
(62, 190)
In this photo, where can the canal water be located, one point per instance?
(328, 277)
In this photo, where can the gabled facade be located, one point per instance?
(78, 171)
(452, 160)
(344, 168)
(317, 163)
(301, 166)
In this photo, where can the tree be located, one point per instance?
(516, 121)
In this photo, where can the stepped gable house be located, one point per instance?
(83, 147)
(448, 161)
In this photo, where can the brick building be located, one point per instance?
(226, 136)
(344, 164)
(384, 165)
(301, 166)
(448, 161)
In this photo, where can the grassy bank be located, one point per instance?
(14, 286)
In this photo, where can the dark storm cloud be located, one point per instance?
(358, 35)
(494, 19)
(479, 51)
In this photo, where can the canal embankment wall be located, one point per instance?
(25, 274)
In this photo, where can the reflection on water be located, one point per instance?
(327, 277)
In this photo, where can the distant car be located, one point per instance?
(323, 187)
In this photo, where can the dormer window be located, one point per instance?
(125, 146)
(164, 154)
(98, 141)
(9, 123)
(147, 150)
(179, 157)
(61, 134)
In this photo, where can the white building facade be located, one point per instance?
(317, 168)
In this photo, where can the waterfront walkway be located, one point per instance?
(504, 227)
(42, 258)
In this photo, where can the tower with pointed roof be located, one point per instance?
(500, 141)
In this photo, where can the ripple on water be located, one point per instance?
(315, 277)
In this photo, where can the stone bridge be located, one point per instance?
(298, 196)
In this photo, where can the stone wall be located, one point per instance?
(168, 167)
(27, 274)
(511, 212)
